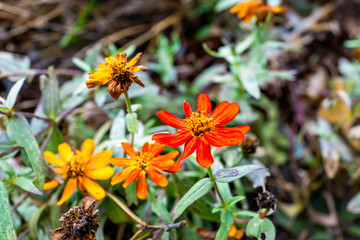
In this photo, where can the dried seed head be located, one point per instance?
(249, 145)
(266, 200)
(80, 223)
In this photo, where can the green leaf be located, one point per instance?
(19, 131)
(34, 222)
(6, 222)
(27, 185)
(259, 227)
(50, 94)
(195, 192)
(354, 204)
(226, 221)
(245, 44)
(86, 67)
(13, 93)
(234, 200)
(210, 51)
(130, 193)
(131, 122)
(248, 79)
(230, 174)
(113, 211)
(159, 209)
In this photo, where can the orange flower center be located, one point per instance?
(199, 123)
(143, 159)
(76, 166)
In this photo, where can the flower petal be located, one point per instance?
(224, 136)
(203, 154)
(123, 162)
(99, 160)
(133, 61)
(164, 161)
(132, 177)
(226, 115)
(171, 120)
(88, 148)
(141, 186)
(129, 150)
(157, 148)
(172, 140)
(187, 109)
(157, 177)
(122, 176)
(203, 104)
(61, 171)
(146, 147)
(100, 173)
(93, 188)
(173, 168)
(189, 148)
(65, 152)
(219, 109)
(53, 159)
(68, 191)
(51, 184)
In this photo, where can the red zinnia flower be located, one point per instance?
(200, 129)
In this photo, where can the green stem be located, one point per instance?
(215, 186)
(128, 105)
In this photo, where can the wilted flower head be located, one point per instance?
(147, 161)
(79, 167)
(247, 10)
(79, 223)
(119, 74)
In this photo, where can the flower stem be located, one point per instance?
(128, 105)
(264, 213)
(126, 209)
(215, 186)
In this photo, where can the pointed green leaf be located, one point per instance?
(230, 174)
(13, 93)
(159, 209)
(50, 94)
(86, 67)
(226, 221)
(27, 185)
(195, 192)
(131, 122)
(7, 230)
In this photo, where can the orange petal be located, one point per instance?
(51, 184)
(189, 148)
(122, 176)
(129, 150)
(187, 109)
(132, 177)
(278, 9)
(141, 186)
(133, 61)
(219, 109)
(172, 140)
(65, 152)
(123, 162)
(94, 189)
(88, 148)
(171, 120)
(203, 104)
(53, 159)
(173, 168)
(68, 191)
(157, 177)
(224, 136)
(228, 114)
(203, 154)
(157, 148)
(146, 147)
(61, 171)
(100, 173)
(99, 160)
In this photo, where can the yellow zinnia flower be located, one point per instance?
(118, 72)
(79, 167)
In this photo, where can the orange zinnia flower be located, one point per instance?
(79, 167)
(247, 10)
(141, 162)
(119, 72)
(200, 129)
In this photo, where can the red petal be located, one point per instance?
(224, 136)
(128, 149)
(219, 109)
(157, 178)
(172, 140)
(189, 148)
(157, 148)
(146, 147)
(171, 120)
(203, 154)
(187, 109)
(204, 104)
(228, 114)
(244, 129)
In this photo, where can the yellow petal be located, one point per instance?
(61, 171)
(68, 191)
(65, 152)
(133, 61)
(100, 173)
(141, 186)
(88, 148)
(53, 159)
(94, 189)
(99, 160)
(51, 184)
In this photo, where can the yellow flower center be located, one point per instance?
(143, 159)
(199, 123)
(76, 166)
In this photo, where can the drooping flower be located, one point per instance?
(79, 223)
(247, 10)
(147, 161)
(200, 129)
(119, 74)
(78, 168)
